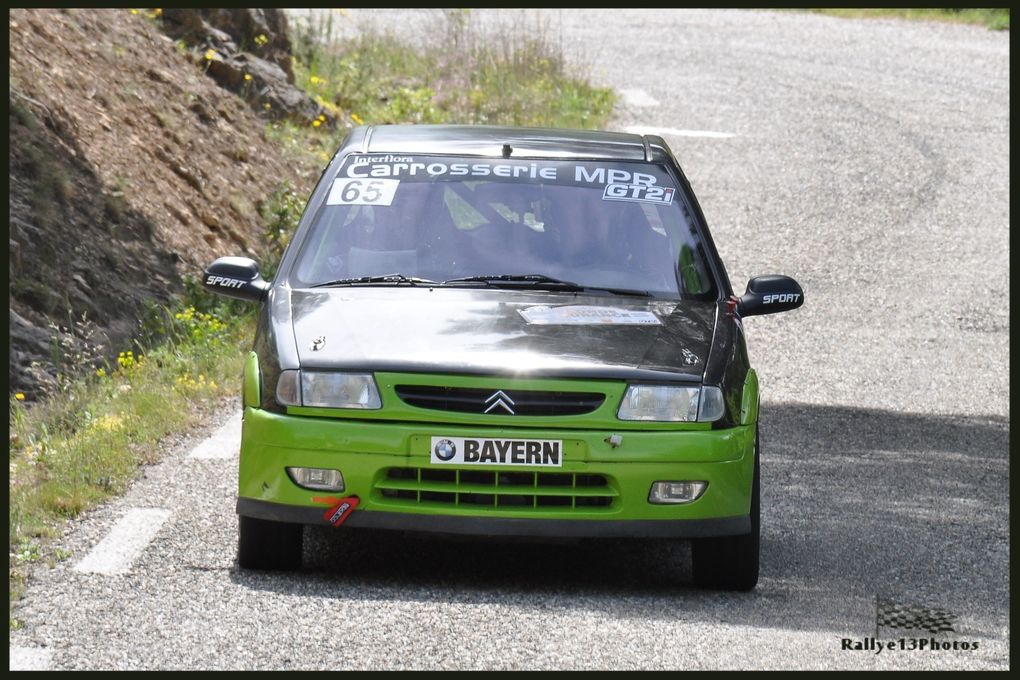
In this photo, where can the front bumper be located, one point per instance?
(505, 526)
(600, 490)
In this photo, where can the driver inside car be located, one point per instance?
(583, 228)
(597, 237)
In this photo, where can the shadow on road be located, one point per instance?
(856, 502)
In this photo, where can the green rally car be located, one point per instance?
(502, 332)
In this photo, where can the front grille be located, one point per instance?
(514, 402)
(484, 489)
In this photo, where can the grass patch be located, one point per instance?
(311, 147)
(512, 73)
(995, 18)
(508, 74)
(85, 443)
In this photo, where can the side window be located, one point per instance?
(693, 277)
(691, 260)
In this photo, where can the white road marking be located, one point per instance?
(647, 130)
(223, 443)
(30, 658)
(125, 542)
(638, 98)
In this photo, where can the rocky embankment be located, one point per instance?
(138, 153)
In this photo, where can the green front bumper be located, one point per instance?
(600, 490)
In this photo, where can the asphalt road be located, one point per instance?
(868, 159)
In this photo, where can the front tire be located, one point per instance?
(264, 544)
(731, 562)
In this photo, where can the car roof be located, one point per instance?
(489, 140)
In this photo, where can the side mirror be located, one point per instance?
(770, 294)
(236, 277)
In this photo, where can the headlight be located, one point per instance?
(332, 390)
(339, 390)
(669, 403)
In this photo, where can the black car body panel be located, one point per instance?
(482, 331)
(461, 331)
(489, 141)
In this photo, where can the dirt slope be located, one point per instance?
(129, 169)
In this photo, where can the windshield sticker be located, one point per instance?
(407, 167)
(639, 193)
(623, 177)
(600, 175)
(587, 315)
(362, 191)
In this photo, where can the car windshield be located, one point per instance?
(391, 220)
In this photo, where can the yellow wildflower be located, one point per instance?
(20, 396)
(267, 106)
(110, 423)
(134, 11)
(247, 76)
(261, 39)
(357, 119)
(316, 123)
(211, 54)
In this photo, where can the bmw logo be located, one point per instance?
(445, 449)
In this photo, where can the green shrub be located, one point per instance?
(512, 74)
(502, 75)
(281, 214)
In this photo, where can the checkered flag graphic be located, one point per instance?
(890, 614)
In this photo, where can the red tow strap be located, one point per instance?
(340, 509)
(731, 305)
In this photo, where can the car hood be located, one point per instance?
(483, 331)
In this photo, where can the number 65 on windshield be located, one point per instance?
(362, 192)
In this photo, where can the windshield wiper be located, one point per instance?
(619, 291)
(385, 278)
(544, 282)
(530, 280)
